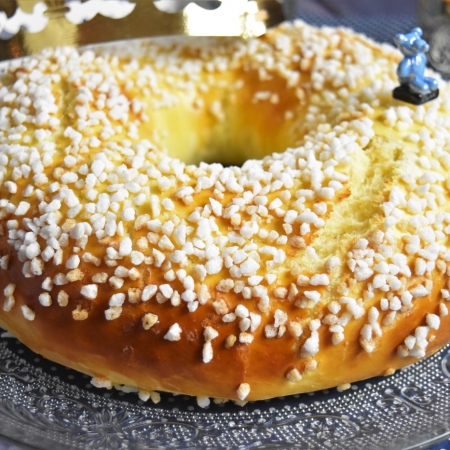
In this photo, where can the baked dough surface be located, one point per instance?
(316, 255)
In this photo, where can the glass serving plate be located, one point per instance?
(45, 405)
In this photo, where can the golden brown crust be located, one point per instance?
(319, 266)
(131, 355)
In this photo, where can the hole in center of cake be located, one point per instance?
(227, 146)
(225, 132)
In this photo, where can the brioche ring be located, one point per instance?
(316, 255)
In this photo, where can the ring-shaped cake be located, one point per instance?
(224, 218)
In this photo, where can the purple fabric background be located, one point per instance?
(354, 7)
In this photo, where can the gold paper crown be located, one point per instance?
(28, 26)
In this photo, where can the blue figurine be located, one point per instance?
(415, 87)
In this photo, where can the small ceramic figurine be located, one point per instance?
(414, 87)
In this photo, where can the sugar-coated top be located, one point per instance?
(349, 221)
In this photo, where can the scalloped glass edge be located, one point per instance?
(44, 405)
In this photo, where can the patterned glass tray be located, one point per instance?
(47, 406)
(44, 405)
